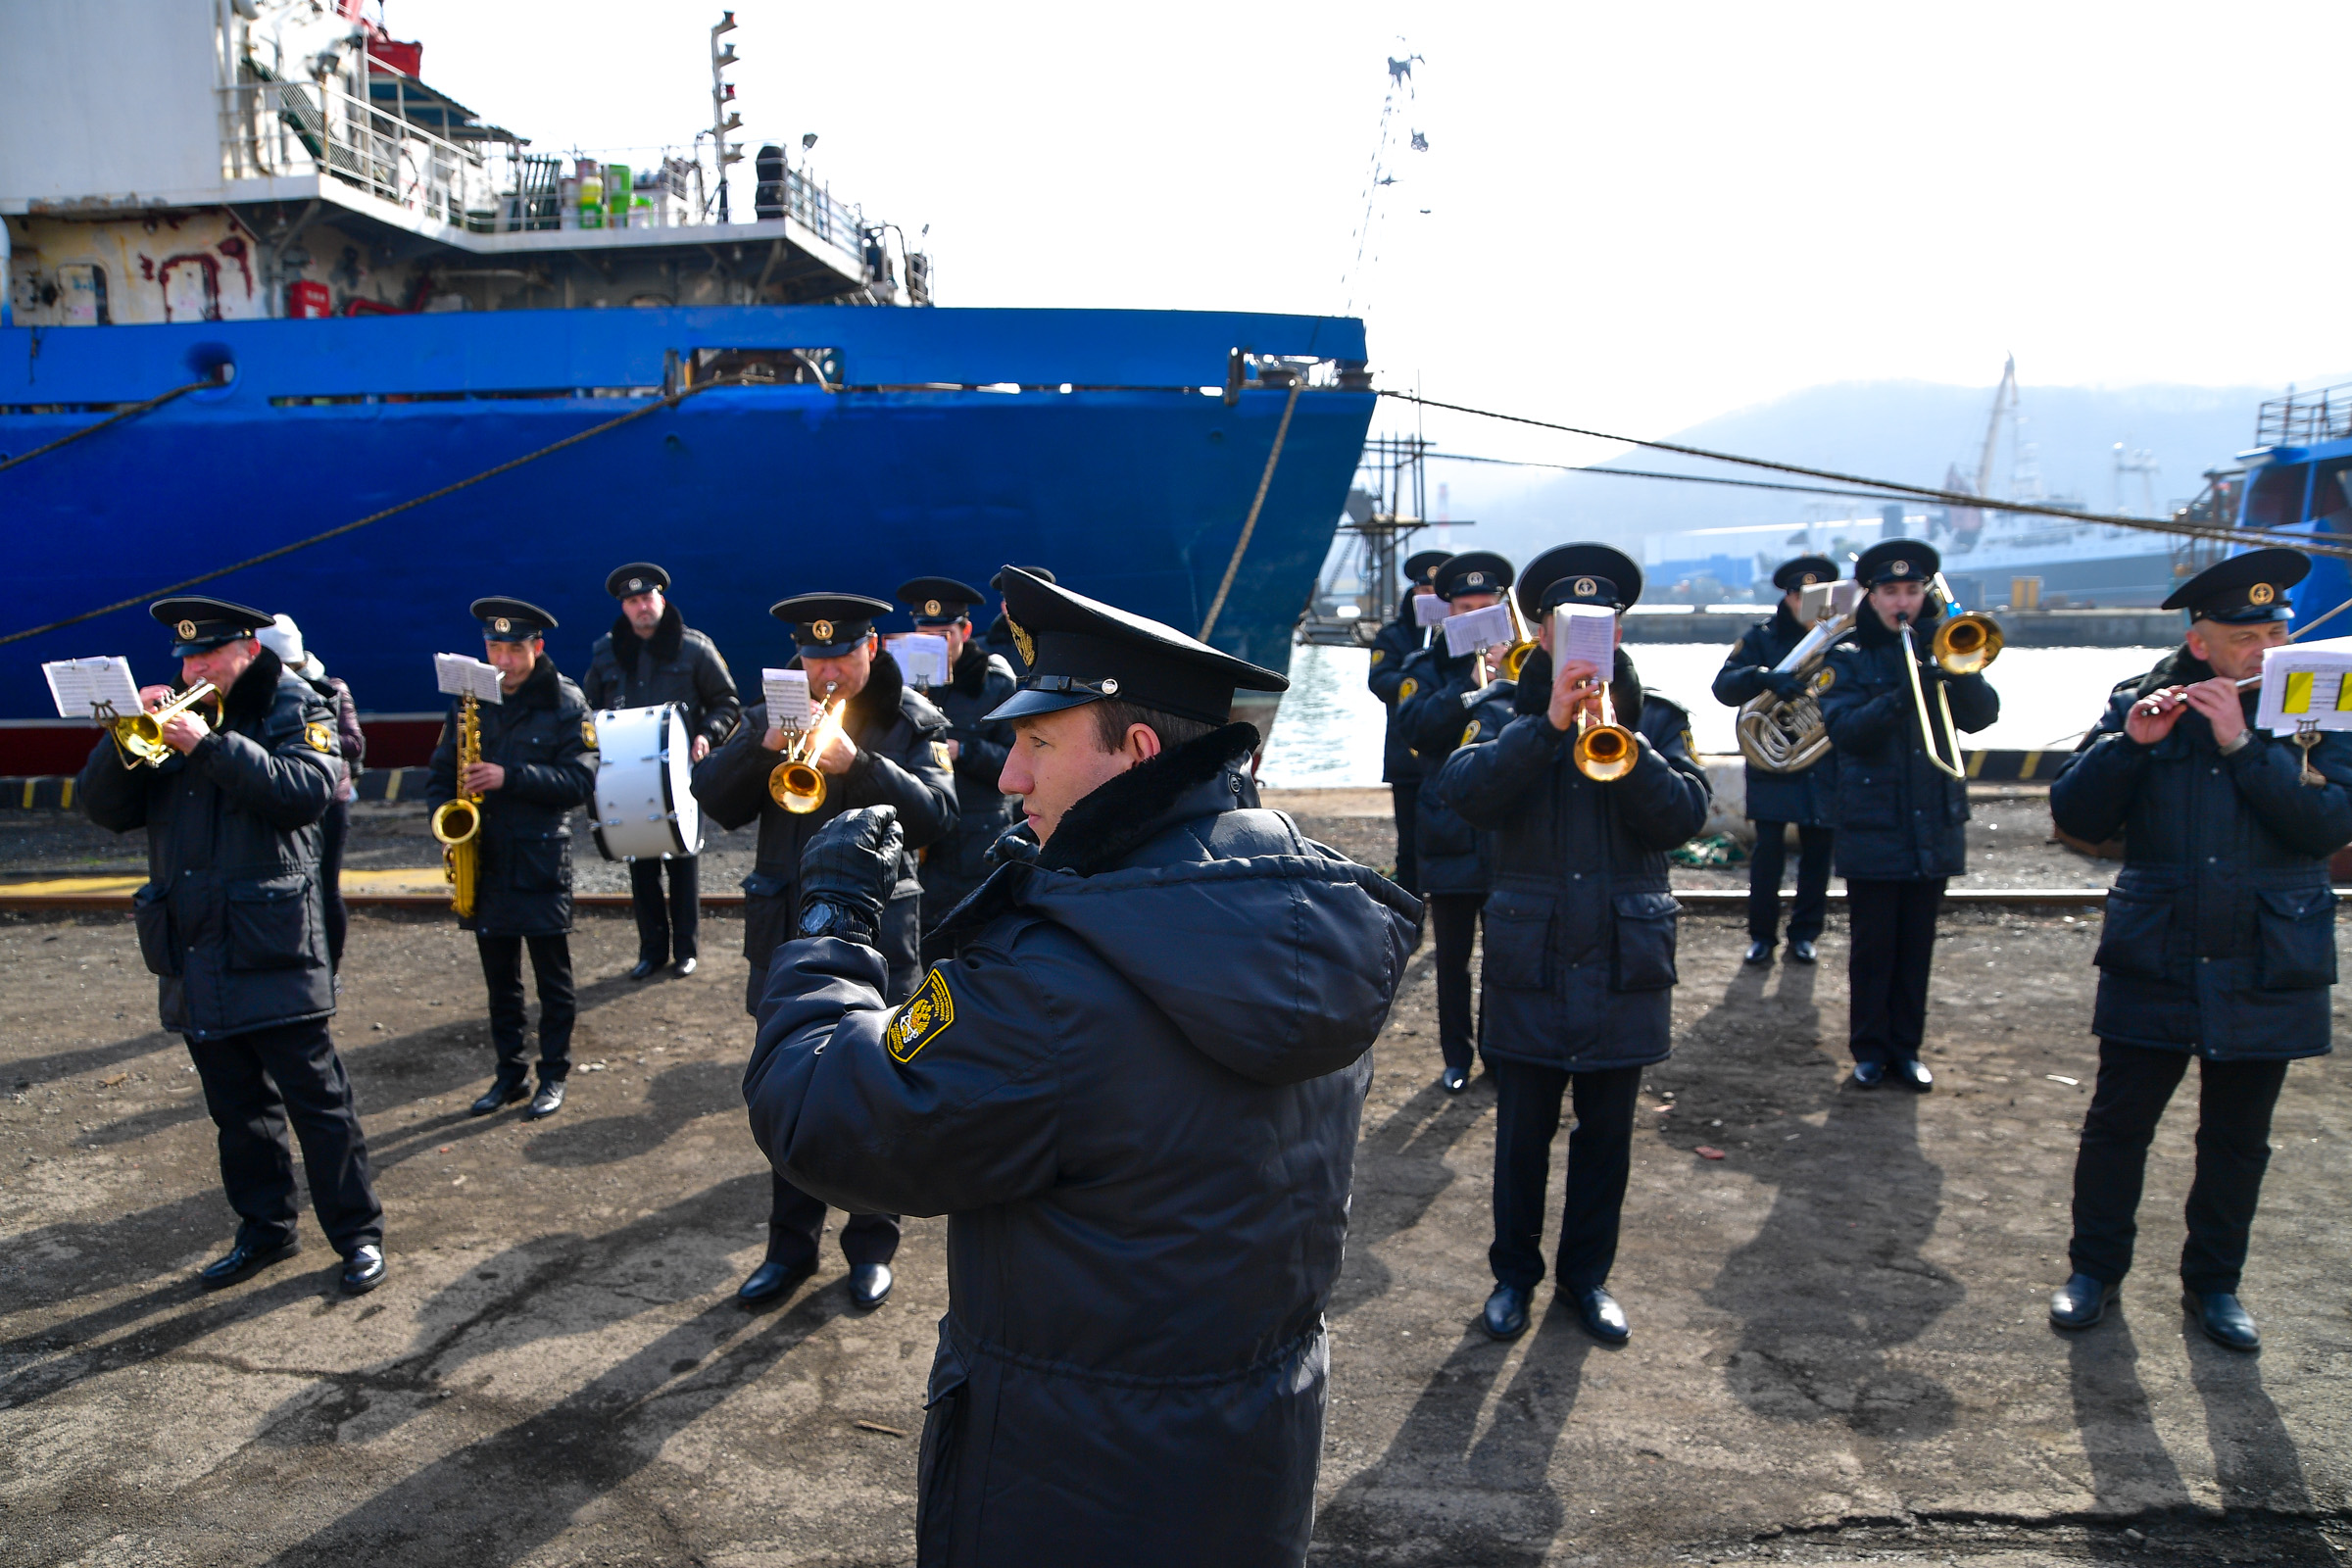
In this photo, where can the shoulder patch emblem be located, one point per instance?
(939, 751)
(1825, 679)
(588, 733)
(1379, 654)
(1470, 734)
(921, 1018)
(321, 738)
(1689, 746)
(1405, 693)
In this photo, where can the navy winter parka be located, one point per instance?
(1899, 817)
(1809, 798)
(1398, 641)
(2220, 933)
(1135, 1094)
(1455, 858)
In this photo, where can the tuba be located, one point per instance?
(139, 737)
(1963, 645)
(796, 783)
(458, 823)
(1786, 734)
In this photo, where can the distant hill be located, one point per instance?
(1910, 431)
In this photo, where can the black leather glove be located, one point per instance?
(1784, 684)
(1016, 846)
(847, 871)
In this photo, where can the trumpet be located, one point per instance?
(457, 822)
(1964, 645)
(1604, 749)
(139, 737)
(796, 783)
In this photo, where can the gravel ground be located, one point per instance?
(1840, 1351)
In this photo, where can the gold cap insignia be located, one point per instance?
(930, 607)
(588, 732)
(922, 1018)
(502, 623)
(821, 630)
(1022, 640)
(1477, 579)
(186, 630)
(1898, 568)
(1808, 580)
(2262, 593)
(1585, 587)
(321, 738)
(635, 586)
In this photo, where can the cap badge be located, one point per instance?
(1585, 588)
(1021, 641)
(930, 607)
(1898, 568)
(2262, 593)
(822, 630)
(186, 630)
(1808, 580)
(1476, 579)
(636, 586)
(502, 623)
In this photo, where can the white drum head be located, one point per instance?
(645, 806)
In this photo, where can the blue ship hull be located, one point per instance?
(1132, 485)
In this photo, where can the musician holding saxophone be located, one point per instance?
(2218, 941)
(1584, 790)
(875, 742)
(526, 767)
(232, 922)
(1780, 792)
(1893, 710)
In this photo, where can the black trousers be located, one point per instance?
(1527, 1117)
(254, 1085)
(1453, 924)
(1891, 935)
(2234, 1100)
(667, 930)
(1404, 799)
(1812, 909)
(551, 969)
(333, 829)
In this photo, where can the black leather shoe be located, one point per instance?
(2080, 1303)
(644, 969)
(502, 1093)
(1453, 1080)
(869, 1286)
(1803, 952)
(364, 1269)
(682, 968)
(1602, 1317)
(770, 1282)
(243, 1261)
(1868, 1074)
(1758, 952)
(547, 1102)
(2224, 1320)
(1505, 1316)
(1912, 1073)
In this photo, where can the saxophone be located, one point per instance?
(458, 823)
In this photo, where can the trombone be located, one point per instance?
(795, 783)
(1963, 645)
(139, 737)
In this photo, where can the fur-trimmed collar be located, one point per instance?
(1872, 633)
(253, 694)
(1533, 693)
(540, 688)
(1126, 812)
(877, 703)
(971, 669)
(2179, 667)
(669, 635)
(1785, 622)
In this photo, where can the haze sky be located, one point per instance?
(1632, 216)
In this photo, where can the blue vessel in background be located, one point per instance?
(2298, 479)
(382, 295)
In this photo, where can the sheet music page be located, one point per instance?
(1586, 632)
(922, 657)
(787, 693)
(1429, 610)
(82, 685)
(461, 675)
(1479, 628)
(2306, 683)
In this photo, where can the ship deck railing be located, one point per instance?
(2300, 419)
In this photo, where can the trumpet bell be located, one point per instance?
(798, 787)
(1965, 644)
(457, 822)
(1605, 752)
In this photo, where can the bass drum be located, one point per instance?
(645, 806)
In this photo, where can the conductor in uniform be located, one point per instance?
(1901, 821)
(534, 771)
(649, 658)
(1578, 986)
(1135, 1093)
(891, 748)
(1455, 873)
(1392, 649)
(1804, 799)
(232, 922)
(2218, 941)
(978, 683)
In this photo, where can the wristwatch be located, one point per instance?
(821, 917)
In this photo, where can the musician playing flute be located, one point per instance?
(888, 747)
(2218, 941)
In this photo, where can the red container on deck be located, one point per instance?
(307, 300)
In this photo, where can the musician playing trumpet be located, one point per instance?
(886, 745)
(1578, 986)
(1902, 814)
(2219, 940)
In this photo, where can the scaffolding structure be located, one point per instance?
(1387, 504)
